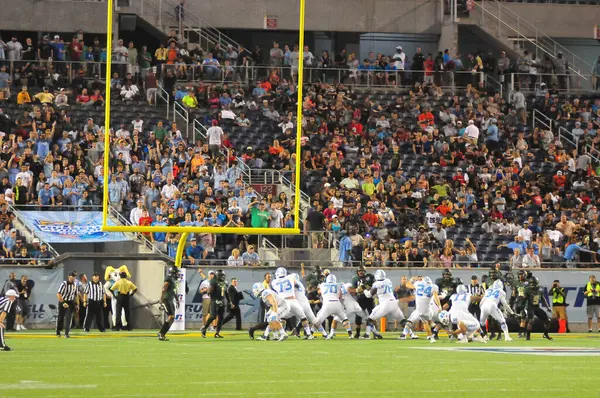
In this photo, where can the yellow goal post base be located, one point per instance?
(185, 230)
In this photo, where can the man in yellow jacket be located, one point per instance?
(592, 294)
(123, 289)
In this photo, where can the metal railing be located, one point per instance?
(163, 95)
(563, 83)
(367, 77)
(169, 14)
(66, 69)
(509, 23)
(182, 112)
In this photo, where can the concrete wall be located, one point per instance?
(53, 16)
(405, 16)
(559, 20)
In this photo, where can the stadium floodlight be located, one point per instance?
(185, 230)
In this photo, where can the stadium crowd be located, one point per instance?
(423, 176)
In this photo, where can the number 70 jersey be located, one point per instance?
(284, 287)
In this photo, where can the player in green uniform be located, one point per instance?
(361, 282)
(534, 297)
(447, 286)
(518, 301)
(216, 289)
(169, 301)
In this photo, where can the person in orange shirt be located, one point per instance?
(197, 162)
(275, 149)
(559, 180)
(426, 118)
(444, 208)
(23, 97)
(172, 54)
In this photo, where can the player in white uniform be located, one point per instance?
(489, 306)
(278, 310)
(427, 303)
(284, 286)
(388, 304)
(300, 293)
(467, 325)
(332, 306)
(351, 307)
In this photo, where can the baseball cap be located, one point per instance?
(11, 293)
(193, 240)
(56, 37)
(211, 272)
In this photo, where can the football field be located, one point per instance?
(136, 364)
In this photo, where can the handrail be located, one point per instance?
(536, 37)
(166, 8)
(16, 212)
(563, 133)
(495, 85)
(182, 112)
(166, 97)
(535, 117)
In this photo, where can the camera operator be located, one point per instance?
(592, 293)
(559, 304)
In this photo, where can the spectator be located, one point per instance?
(250, 257)
(235, 260)
(194, 252)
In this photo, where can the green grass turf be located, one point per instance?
(112, 365)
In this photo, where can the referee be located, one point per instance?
(67, 304)
(6, 303)
(94, 299)
(124, 289)
(476, 290)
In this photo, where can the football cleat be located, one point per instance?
(402, 337)
(311, 337)
(203, 332)
(508, 338)
(251, 334)
(462, 341)
(263, 338)
(414, 337)
(218, 336)
(283, 337)
(547, 336)
(378, 337)
(365, 337)
(432, 341)
(6, 348)
(479, 339)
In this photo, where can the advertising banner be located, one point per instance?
(179, 323)
(70, 226)
(43, 309)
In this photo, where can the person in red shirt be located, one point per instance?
(145, 220)
(330, 211)
(370, 218)
(459, 177)
(84, 98)
(426, 118)
(444, 208)
(75, 50)
(429, 66)
(355, 128)
(559, 180)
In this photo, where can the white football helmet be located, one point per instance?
(427, 280)
(331, 279)
(257, 289)
(444, 318)
(280, 273)
(498, 285)
(379, 275)
(461, 289)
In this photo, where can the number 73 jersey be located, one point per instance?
(284, 287)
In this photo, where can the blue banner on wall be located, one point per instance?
(70, 226)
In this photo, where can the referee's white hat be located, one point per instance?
(11, 293)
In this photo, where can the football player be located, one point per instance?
(534, 298)
(518, 301)
(427, 303)
(300, 293)
(460, 301)
(350, 305)
(362, 282)
(169, 301)
(284, 286)
(467, 326)
(216, 289)
(388, 304)
(446, 286)
(332, 306)
(278, 310)
(489, 307)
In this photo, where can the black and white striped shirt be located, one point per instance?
(94, 291)
(68, 291)
(5, 305)
(475, 290)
